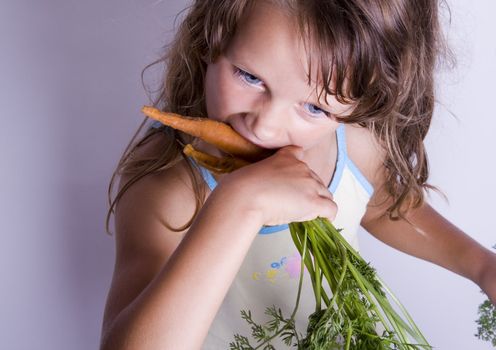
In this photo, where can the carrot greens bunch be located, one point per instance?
(347, 319)
(486, 323)
(358, 303)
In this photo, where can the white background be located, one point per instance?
(70, 95)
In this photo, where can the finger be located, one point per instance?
(325, 193)
(317, 178)
(329, 209)
(326, 208)
(296, 151)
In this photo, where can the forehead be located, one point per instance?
(269, 39)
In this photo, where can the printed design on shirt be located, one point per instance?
(284, 268)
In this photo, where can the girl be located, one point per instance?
(343, 91)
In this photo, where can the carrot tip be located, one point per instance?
(146, 109)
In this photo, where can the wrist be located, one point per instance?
(487, 276)
(238, 202)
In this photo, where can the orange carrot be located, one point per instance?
(215, 164)
(216, 133)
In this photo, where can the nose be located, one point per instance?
(268, 121)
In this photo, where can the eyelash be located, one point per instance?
(242, 75)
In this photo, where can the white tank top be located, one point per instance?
(270, 272)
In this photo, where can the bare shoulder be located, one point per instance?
(369, 155)
(143, 243)
(164, 196)
(366, 152)
(148, 203)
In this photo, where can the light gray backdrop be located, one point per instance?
(70, 95)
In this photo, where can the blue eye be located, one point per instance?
(313, 109)
(247, 77)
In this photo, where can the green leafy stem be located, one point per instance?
(486, 323)
(348, 319)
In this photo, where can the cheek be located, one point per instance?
(212, 78)
(225, 95)
(311, 137)
(221, 93)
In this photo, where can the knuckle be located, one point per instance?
(305, 170)
(329, 208)
(333, 210)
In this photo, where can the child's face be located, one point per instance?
(259, 86)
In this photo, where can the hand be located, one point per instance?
(282, 189)
(488, 278)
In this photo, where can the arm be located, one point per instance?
(430, 237)
(177, 285)
(166, 289)
(433, 238)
